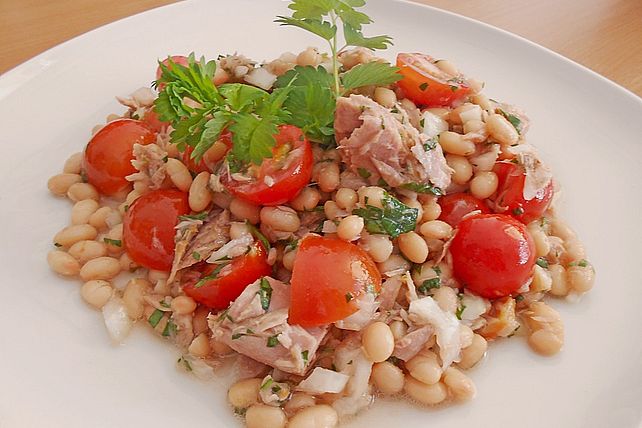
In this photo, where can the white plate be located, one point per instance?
(57, 367)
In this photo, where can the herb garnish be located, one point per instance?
(201, 282)
(114, 242)
(272, 341)
(542, 262)
(423, 188)
(304, 355)
(265, 293)
(199, 216)
(429, 284)
(393, 219)
(155, 317)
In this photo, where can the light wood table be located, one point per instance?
(604, 35)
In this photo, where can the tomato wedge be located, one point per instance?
(456, 205)
(427, 85)
(108, 156)
(328, 275)
(281, 177)
(493, 255)
(230, 280)
(148, 227)
(510, 199)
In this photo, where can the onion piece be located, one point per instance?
(260, 77)
(323, 380)
(117, 321)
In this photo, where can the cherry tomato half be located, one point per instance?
(217, 293)
(427, 85)
(493, 255)
(281, 177)
(456, 205)
(153, 122)
(510, 194)
(108, 155)
(328, 275)
(148, 227)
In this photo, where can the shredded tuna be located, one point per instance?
(389, 292)
(364, 315)
(150, 163)
(538, 175)
(370, 137)
(413, 342)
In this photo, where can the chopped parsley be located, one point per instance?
(258, 235)
(514, 120)
(240, 411)
(364, 173)
(423, 86)
(304, 355)
(460, 309)
(57, 245)
(581, 263)
(155, 317)
(393, 219)
(349, 297)
(423, 188)
(265, 293)
(199, 216)
(201, 282)
(170, 328)
(518, 211)
(269, 381)
(429, 284)
(186, 364)
(114, 242)
(519, 297)
(196, 255)
(272, 341)
(542, 262)
(431, 144)
(163, 304)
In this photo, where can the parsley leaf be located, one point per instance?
(211, 276)
(423, 188)
(272, 341)
(393, 219)
(429, 284)
(354, 37)
(114, 242)
(199, 216)
(265, 293)
(155, 317)
(371, 73)
(253, 137)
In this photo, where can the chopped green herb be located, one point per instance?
(201, 282)
(272, 341)
(423, 188)
(542, 262)
(349, 297)
(394, 360)
(269, 381)
(460, 311)
(199, 216)
(126, 208)
(393, 219)
(222, 315)
(275, 389)
(422, 122)
(114, 242)
(57, 244)
(423, 86)
(304, 355)
(514, 120)
(518, 211)
(437, 270)
(429, 284)
(170, 328)
(453, 88)
(519, 298)
(196, 255)
(240, 411)
(265, 293)
(581, 263)
(364, 173)
(165, 159)
(182, 360)
(431, 144)
(163, 304)
(155, 317)
(258, 235)
(236, 336)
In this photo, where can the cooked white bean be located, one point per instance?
(244, 210)
(371, 195)
(244, 393)
(133, 296)
(501, 129)
(431, 210)
(471, 354)
(299, 401)
(446, 298)
(394, 263)
(425, 367)
(82, 211)
(126, 263)
(559, 285)
(179, 174)
(96, 292)
(157, 275)
(318, 416)
(461, 386)
(378, 246)
(239, 229)
(114, 239)
(436, 229)
(81, 191)
(542, 280)
(542, 245)
(262, 416)
(413, 247)
(73, 165)
(76, 233)
(183, 305)
(306, 200)
(545, 342)
(350, 227)
(100, 268)
(280, 218)
(199, 195)
(580, 278)
(462, 169)
(200, 346)
(398, 329)
(346, 198)
(328, 177)
(484, 184)
(384, 96)
(331, 210)
(288, 260)
(378, 341)
(455, 144)
(545, 327)
(388, 378)
(83, 251)
(63, 263)
(59, 184)
(423, 393)
(105, 217)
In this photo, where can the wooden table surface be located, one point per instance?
(604, 35)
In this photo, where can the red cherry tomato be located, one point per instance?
(456, 205)
(153, 122)
(176, 59)
(427, 85)
(109, 154)
(328, 275)
(286, 179)
(191, 164)
(493, 255)
(509, 198)
(148, 227)
(217, 293)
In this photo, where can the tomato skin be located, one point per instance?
(153, 122)
(509, 198)
(218, 293)
(148, 227)
(425, 84)
(493, 255)
(191, 164)
(108, 156)
(287, 182)
(457, 205)
(323, 286)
